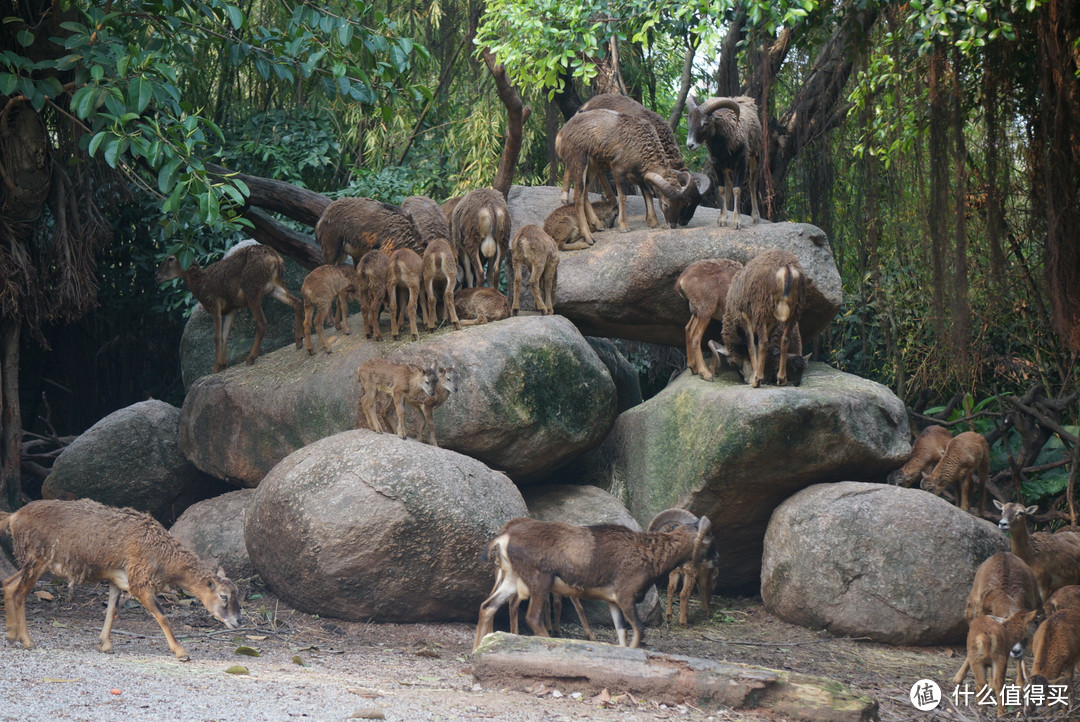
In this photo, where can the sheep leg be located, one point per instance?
(221, 336)
(414, 292)
(597, 223)
(309, 311)
(515, 610)
(650, 211)
(705, 587)
(343, 313)
(583, 619)
(515, 305)
(430, 304)
(320, 321)
(551, 280)
(496, 266)
(448, 301)
(564, 195)
(534, 616)
(617, 618)
(672, 588)
(580, 201)
(399, 407)
(280, 294)
(503, 591)
(752, 161)
(538, 295)
(736, 215)
(697, 364)
(16, 587)
(392, 302)
(781, 372)
(689, 576)
(367, 403)
(255, 306)
(105, 638)
(621, 223)
(147, 598)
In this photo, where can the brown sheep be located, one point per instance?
(358, 225)
(481, 305)
(372, 272)
(927, 451)
(535, 250)
(321, 287)
(1004, 584)
(561, 224)
(770, 292)
(239, 280)
(704, 284)
(404, 290)
(1054, 558)
(428, 217)
(84, 541)
(966, 454)
(480, 226)
(731, 130)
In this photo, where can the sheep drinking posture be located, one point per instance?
(689, 574)
(607, 562)
(770, 292)
(597, 141)
(239, 280)
(704, 284)
(927, 452)
(966, 454)
(86, 541)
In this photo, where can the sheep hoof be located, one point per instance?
(311, 352)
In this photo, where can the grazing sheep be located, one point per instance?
(86, 541)
(480, 226)
(358, 225)
(927, 451)
(689, 574)
(239, 280)
(704, 284)
(562, 225)
(965, 454)
(535, 250)
(731, 130)
(606, 561)
(596, 141)
(769, 292)
(672, 156)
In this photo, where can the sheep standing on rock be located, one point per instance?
(430, 221)
(672, 157)
(597, 141)
(480, 229)
(731, 130)
(769, 292)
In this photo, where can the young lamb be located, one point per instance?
(535, 250)
(239, 280)
(84, 541)
(927, 451)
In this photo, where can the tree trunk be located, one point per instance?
(517, 113)
(684, 81)
(10, 416)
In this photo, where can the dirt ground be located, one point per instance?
(332, 669)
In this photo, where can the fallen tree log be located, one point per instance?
(515, 662)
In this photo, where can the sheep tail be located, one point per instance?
(787, 279)
(486, 223)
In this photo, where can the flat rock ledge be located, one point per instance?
(516, 662)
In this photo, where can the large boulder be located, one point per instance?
(624, 285)
(214, 529)
(366, 526)
(732, 452)
(531, 394)
(197, 341)
(131, 458)
(872, 560)
(623, 373)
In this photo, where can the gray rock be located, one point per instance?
(214, 529)
(131, 458)
(197, 341)
(878, 561)
(367, 526)
(623, 373)
(531, 394)
(624, 285)
(731, 452)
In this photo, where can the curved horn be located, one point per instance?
(704, 527)
(712, 105)
(668, 519)
(662, 185)
(689, 186)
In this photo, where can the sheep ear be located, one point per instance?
(703, 183)
(221, 573)
(999, 505)
(1032, 509)
(717, 348)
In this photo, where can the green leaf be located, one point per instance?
(25, 38)
(112, 150)
(247, 651)
(235, 16)
(141, 92)
(96, 141)
(167, 175)
(7, 83)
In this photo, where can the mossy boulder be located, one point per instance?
(531, 395)
(734, 453)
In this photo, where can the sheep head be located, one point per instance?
(699, 117)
